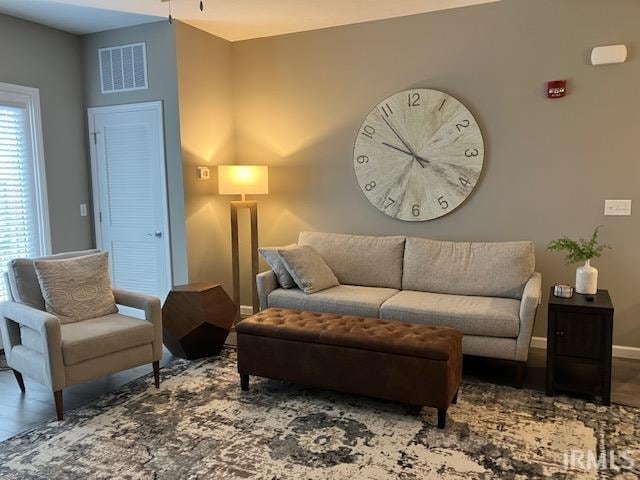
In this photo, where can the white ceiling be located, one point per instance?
(230, 19)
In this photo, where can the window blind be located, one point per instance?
(18, 217)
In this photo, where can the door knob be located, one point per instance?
(156, 234)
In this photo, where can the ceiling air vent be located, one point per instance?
(123, 68)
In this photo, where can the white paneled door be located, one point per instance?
(130, 195)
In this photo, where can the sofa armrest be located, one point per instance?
(152, 313)
(48, 326)
(531, 298)
(267, 282)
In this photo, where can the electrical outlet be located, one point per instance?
(617, 207)
(83, 209)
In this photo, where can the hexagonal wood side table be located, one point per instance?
(196, 320)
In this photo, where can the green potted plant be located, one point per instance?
(582, 250)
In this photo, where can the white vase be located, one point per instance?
(587, 279)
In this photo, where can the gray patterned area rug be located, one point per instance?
(199, 425)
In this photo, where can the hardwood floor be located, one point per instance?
(625, 385)
(20, 412)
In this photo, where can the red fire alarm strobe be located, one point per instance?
(556, 88)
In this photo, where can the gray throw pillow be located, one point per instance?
(273, 259)
(307, 268)
(78, 288)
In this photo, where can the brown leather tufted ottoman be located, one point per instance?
(415, 364)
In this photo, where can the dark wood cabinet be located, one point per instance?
(579, 343)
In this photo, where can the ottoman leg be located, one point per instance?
(455, 398)
(442, 417)
(244, 382)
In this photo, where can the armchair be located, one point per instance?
(58, 355)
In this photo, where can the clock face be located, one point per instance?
(418, 155)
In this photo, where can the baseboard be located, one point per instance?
(619, 351)
(246, 310)
(539, 342)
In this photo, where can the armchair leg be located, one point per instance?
(156, 373)
(19, 379)
(57, 397)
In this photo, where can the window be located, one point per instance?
(24, 220)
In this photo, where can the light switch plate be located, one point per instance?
(203, 173)
(617, 207)
(83, 209)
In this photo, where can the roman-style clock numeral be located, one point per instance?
(471, 152)
(443, 203)
(464, 181)
(464, 124)
(387, 110)
(368, 131)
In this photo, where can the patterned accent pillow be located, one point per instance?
(77, 288)
(274, 260)
(307, 268)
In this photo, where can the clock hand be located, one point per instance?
(420, 160)
(415, 157)
(410, 152)
(395, 132)
(397, 148)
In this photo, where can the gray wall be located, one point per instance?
(50, 60)
(161, 64)
(206, 134)
(550, 164)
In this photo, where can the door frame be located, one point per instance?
(155, 106)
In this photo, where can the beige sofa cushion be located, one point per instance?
(343, 300)
(359, 260)
(487, 316)
(468, 268)
(76, 289)
(307, 268)
(24, 281)
(101, 336)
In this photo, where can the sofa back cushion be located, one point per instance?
(360, 260)
(498, 269)
(23, 281)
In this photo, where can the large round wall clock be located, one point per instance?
(418, 155)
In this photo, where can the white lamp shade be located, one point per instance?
(243, 179)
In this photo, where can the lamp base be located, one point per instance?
(252, 205)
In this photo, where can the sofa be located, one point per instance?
(489, 291)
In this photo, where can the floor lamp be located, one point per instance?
(243, 180)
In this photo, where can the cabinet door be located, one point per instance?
(579, 335)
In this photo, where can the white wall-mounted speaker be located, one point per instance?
(608, 54)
